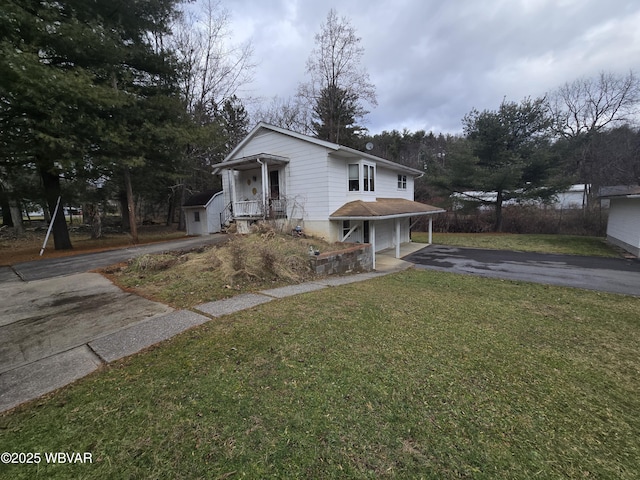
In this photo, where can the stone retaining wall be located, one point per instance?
(354, 259)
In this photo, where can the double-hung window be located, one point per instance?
(369, 173)
(354, 177)
(361, 177)
(402, 182)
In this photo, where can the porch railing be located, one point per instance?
(252, 208)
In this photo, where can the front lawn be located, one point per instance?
(562, 244)
(419, 374)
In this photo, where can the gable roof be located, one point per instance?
(333, 148)
(383, 208)
(200, 199)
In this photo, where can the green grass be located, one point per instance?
(413, 375)
(563, 244)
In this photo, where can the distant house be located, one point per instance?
(623, 225)
(203, 211)
(573, 197)
(331, 191)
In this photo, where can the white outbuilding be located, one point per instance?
(623, 225)
(203, 213)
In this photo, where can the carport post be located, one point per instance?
(372, 238)
(397, 238)
(430, 229)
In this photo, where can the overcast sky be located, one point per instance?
(432, 61)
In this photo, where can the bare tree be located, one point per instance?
(214, 69)
(586, 113)
(593, 104)
(335, 65)
(287, 113)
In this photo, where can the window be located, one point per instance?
(274, 184)
(402, 182)
(196, 216)
(361, 177)
(369, 171)
(354, 177)
(346, 228)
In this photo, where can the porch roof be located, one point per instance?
(248, 163)
(382, 209)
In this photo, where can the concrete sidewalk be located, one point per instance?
(31, 380)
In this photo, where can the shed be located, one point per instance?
(203, 212)
(623, 224)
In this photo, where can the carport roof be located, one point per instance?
(383, 208)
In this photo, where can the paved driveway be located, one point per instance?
(615, 275)
(54, 315)
(56, 267)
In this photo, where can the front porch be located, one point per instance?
(252, 187)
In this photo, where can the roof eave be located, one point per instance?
(386, 217)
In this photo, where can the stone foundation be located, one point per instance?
(351, 260)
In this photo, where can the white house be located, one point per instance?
(623, 224)
(203, 213)
(331, 191)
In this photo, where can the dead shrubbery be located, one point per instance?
(157, 262)
(265, 256)
(258, 260)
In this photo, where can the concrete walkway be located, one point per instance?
(24, 378)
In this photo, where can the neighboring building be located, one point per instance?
(331, 191)
(623, 224)
(573, 197)
(203, 213)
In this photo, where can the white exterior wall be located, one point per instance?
(193, 227)
(303, 181)
(623, 226)
(214, 209)
(387, 186)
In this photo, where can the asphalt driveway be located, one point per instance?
(56, 267)
(614, 275)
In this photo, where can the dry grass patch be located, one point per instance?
(265, 259)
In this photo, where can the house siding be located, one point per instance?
(623, 226)
(315, 184)
(304, 179)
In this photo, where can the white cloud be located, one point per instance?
(433, 61)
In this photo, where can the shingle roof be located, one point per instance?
(384, 208)
(199, 199)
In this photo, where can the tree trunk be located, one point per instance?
(16, 216)
(51, 183)
(130, 206)
(6, 209)
(498, 225)
(182, 223)
(92, 217)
